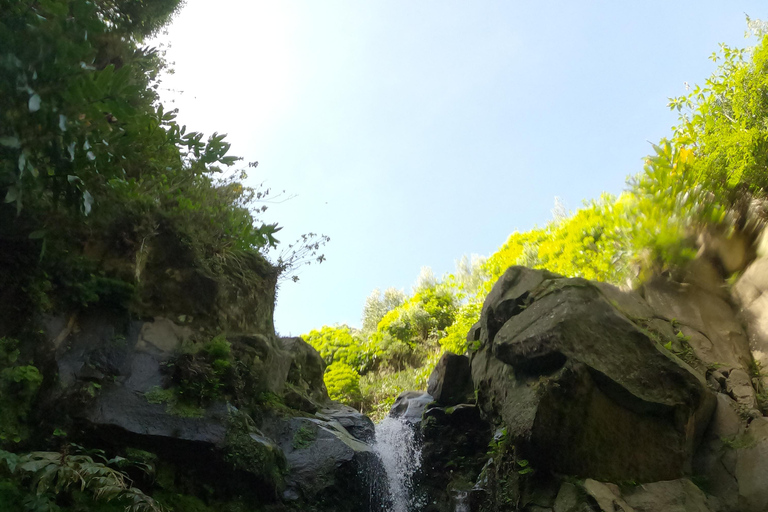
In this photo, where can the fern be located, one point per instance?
(56, 472)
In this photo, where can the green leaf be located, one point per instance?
(10, 142)
(87, 204)
(12, 194)
(36, 235)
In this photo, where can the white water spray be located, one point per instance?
(400, 455)
(461, 500)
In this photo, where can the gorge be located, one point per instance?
(574, 395)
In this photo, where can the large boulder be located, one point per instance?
(585, 390)
(323, 463)
(357, 424)
(306, 387)
(410, 405)
(451, 381)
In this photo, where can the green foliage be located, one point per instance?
(174, 405)
(380, 389)
(48, 474)
(87, 150)
(343, 384)
(592, 243)
(247, 450)
(341, 345)
(377, 305)
(455, 339)
(19, 384)
(199, 377)
(723, 121)
(404, 332)
(204, 376)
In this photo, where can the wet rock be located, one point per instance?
(733, 251)
(117, 407)
(453, 451)
(587, 390)
(705, 274)
(323, 462)
(410, 406)
(266, 359)
(358, 425)
(451, 381)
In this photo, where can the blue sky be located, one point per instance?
(413, 132)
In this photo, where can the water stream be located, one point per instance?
(400, 455)
(461, 501)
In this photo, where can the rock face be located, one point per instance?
(124, 381)
(454, 438)
(323, 462)
(451, 381)
(410, 406)
(588, 392)
(750, 293)
(716, 335)
(752, 467)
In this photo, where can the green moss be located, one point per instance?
(158, 395)
(173, 403)
(304, 437)
(247, 450)
(19, 384)
(739, 442)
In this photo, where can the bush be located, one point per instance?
(343, 384)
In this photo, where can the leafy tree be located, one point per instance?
(377, 305)
(470, 275)
(722, 122)
(455, 339)
(341, 345)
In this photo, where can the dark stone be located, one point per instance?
(357, 424)
(454, 445)
(451, 381)
(324, 463)
(582, 389)
(410, 406)
(306, 370)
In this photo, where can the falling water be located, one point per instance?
(400, 456)
(461, 501)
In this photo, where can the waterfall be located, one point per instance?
(461, 501)
(400, 455)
